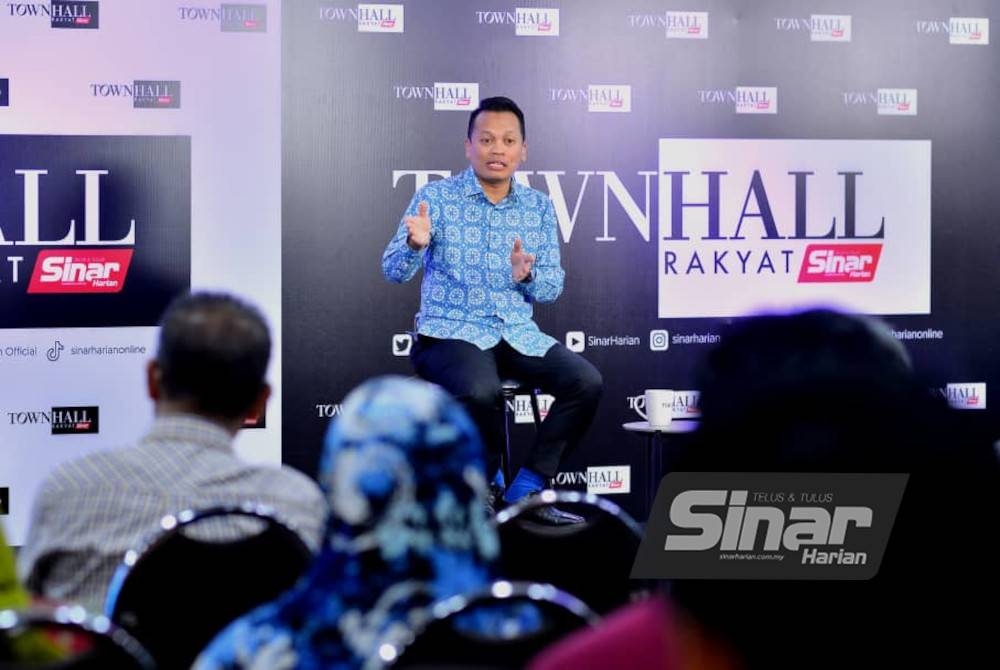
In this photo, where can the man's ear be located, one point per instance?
(260, 402)
(154, 377)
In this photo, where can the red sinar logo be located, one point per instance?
(840, 263)
(80, 271)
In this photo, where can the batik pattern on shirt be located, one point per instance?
(468, 291)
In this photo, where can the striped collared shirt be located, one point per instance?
(90, 511)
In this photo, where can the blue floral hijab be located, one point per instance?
(403, 472)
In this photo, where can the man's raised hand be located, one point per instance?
(418, 228)
(521, 262)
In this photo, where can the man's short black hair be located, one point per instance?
(213, 353)
(497, 104)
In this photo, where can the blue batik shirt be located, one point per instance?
(468, 292)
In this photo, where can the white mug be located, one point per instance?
(659, 407)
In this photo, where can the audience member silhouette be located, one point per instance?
(822, 391)
(404, 474)
(208, 376)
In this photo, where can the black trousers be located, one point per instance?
(473, 377)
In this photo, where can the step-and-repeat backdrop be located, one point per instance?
(707, 159)
(140, 154)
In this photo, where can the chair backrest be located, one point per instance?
(199, 572)
(592, 560)
(67, 638)
(501, 626)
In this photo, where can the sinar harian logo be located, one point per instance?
(769, 526)
(68, 269)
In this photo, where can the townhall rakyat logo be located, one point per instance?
(967, 395)
(961, 30)
(69, 269)
(80, 15)
(751, 225)
(61, 420)
(145, 93)
(527, 21)
(597, 97)
(600, 479)
(745, 99)
(4, 92)
(456, 97)
(821, 27)
(536, 22)
(887, 101)
(446, 96)
(63, 14)
(742, 226)
(232, 18)
(380, 18)
(676, 25)
(77, 230)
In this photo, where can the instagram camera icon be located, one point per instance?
(659, 340)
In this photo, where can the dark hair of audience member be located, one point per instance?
(213, 352)
(821, 391)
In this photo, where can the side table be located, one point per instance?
(653, 457)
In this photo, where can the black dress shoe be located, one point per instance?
(553, 516)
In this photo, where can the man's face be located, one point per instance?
(496, 147)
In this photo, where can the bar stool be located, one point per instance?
(509, 389)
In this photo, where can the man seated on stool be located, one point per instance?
(489, 248)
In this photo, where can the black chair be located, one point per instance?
(592, 560)
(67, 638)
(526, 617)
(201, 571)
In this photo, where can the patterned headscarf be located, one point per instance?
(403, 472)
